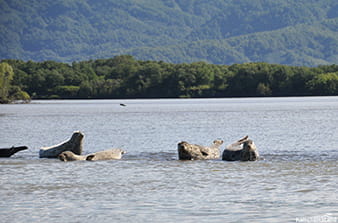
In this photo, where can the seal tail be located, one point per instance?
(17, 149)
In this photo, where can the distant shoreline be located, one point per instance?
(123, 77)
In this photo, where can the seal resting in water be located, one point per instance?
(7, 152)
(242, 150)
(187, 151)
(70, 156)
(110, 154)
(74, 144)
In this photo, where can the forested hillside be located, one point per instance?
(302, 32)
(125, 77)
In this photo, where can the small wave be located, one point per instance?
(306, 190)
(154, 156)
(328, 155)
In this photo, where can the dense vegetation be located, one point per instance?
(125, 77)
(302, 32)
(9, 92)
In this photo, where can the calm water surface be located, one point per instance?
(297, 180)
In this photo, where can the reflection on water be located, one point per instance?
(295, 136)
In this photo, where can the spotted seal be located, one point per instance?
(242, 150)
(110, 154)
(70, 156)
(187, 151)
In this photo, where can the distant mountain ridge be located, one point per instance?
(302, 32)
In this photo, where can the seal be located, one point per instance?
(70, 156)
(74, 144)
(110, 154)
(242, 150)
(187, 151)
(8, 152)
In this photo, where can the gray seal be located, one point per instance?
(74, 144)
(242, 150)
(110, 154)
(70, 156)
(187, 151)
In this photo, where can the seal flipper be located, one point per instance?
(90, 157)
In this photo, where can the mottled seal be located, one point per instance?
(7, 152)
(242, 150)
(70, 156)
(109, 154)
(74, 144)
(187, 151)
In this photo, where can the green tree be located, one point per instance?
(263, 89)
(125, 77)
(324, 84)
(6, 76)
(16, 94)
(67, 91)
(85, 90)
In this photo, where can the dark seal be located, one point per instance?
(8, 152)
(242, 150)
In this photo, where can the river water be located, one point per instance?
(296, 182)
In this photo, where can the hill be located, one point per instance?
(302, 32)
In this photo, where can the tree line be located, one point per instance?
(124, 77)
